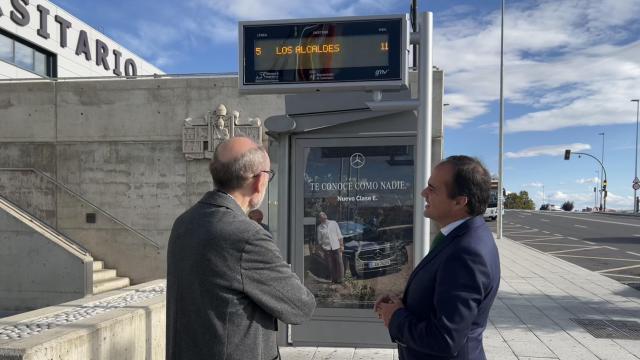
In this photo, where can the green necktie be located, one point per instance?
(437, 240)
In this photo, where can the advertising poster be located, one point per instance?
(358, 222)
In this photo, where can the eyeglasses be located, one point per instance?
(271, 173)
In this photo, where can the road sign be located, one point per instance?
(636, 180)
(636, 186)
(352, 53)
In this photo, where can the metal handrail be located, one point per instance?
(100, 210)
(43, 225)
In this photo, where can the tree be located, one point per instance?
(567, 206)
(519, 201)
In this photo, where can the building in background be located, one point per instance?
(40, 39)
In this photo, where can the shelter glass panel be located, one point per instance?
(358, 222)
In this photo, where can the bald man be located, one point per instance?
(227, 283)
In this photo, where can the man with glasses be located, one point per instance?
(227, 284)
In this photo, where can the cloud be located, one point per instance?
(545, 62)
(569, 66)
(533, 184)
(547, 150)
(593, 180)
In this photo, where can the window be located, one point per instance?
(26, 56)
(6, 49)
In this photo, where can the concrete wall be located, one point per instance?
(69, 64)
(133, 332)
(118, 143)
(35, 270)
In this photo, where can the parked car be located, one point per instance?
(372, 252)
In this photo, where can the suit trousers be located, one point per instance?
(336, 268)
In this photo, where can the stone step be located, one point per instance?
(103, 274)
(110, 284)
(97, 265)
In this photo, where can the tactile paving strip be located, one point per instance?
(35, 327)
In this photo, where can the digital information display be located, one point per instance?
(341, 53)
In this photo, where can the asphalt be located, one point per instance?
(602, 243)
(541, 301)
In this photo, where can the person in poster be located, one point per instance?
(330, 238)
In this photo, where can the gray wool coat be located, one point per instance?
(227, 284)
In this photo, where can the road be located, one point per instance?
(607, 244)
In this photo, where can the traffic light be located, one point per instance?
(567, 154)
(604, 185)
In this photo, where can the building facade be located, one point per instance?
(40, 39)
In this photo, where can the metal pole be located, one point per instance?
(595, 192)
(601, 170)
(422, 237)
(414, 18)
(501, 135)
(635, 203)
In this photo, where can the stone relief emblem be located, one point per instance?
(201, 136)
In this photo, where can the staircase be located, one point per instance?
(106, 279)
(103, 279)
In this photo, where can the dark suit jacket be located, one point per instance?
(448, 297)
(227, 284)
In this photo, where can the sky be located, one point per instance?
(571, 69)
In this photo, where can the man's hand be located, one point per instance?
(385, 307)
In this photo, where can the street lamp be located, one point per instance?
(635, 178)
(501, 135)
(567, 156)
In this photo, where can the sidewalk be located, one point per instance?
(531, 317)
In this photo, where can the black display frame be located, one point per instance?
(391, 76)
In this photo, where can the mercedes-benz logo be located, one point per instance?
(357, 160)
(379, 254)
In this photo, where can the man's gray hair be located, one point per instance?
(233, 174)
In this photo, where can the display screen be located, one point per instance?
(364, 50)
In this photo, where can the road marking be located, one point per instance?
(546, 232)
(595, 257)
(620, 268)
(602, 221)
(632, 253)
(563, 251)
(533, 236)
(557, 234)
(545, 220)
(542, 239)
(610, 248)
(580, 226)
(636, 235)
(570, 245)
(572, 238)
(629, 276)
(589, 242)
(523, 231)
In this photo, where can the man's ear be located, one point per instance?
(462, 201)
